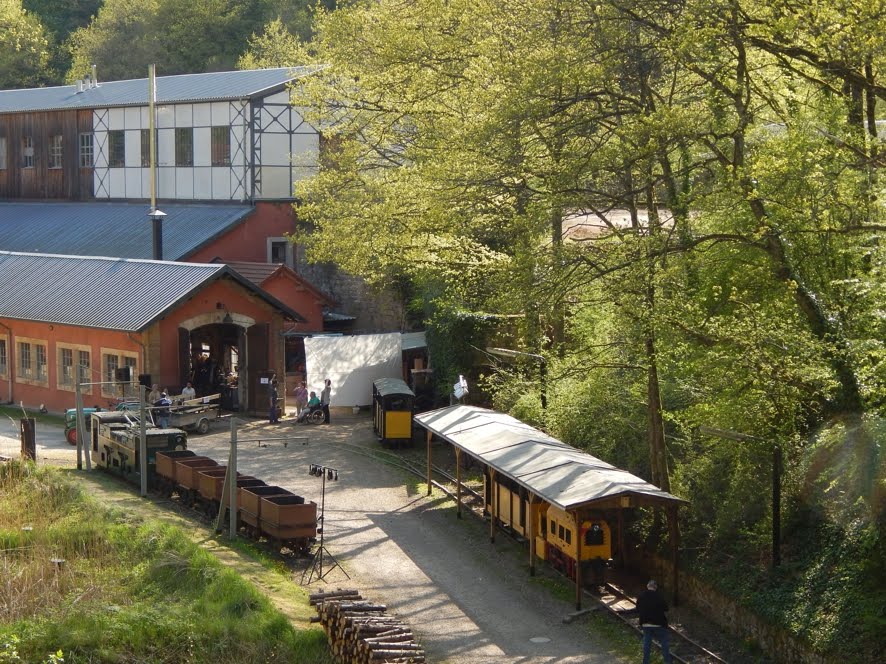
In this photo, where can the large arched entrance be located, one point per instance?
(219, 353)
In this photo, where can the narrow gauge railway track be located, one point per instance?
(683, 648)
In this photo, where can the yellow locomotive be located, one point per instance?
(556, 533)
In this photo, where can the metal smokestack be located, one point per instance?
(157, 229)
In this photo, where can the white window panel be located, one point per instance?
(116, 118)
(305, 150)
(221, 184)
(184, 115)
(166, 147)
(274, 150)
(165, 117)
(133, 149)
(134, 183)
(184, 182)
(132, 118)
(203, 182)
(166, 183)
(202, 115)
(281, 97)
(275, 182)
(220, 113)
(202, 147)
(117, 182)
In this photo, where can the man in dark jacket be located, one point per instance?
(653, 608)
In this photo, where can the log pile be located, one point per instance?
(361, 632)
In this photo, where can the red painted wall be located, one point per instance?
(55, 399)
(236, 301)
(304, 301)
(249, 240)
(234, 297)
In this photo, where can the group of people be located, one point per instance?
(159, 399)
(305, 401)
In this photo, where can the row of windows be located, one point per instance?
(184, 149)
(73, 364)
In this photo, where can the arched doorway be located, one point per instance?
(214, 355)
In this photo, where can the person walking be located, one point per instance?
(301, 397)
(272, 398)
(652, 607)
(324, 400)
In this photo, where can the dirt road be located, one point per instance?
(469, 601)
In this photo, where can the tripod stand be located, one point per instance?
(316, 569)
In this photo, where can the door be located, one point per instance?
(256, 368)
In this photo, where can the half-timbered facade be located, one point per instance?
(223, 136)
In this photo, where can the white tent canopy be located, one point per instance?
(352, 363)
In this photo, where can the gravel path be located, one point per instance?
(469, 601)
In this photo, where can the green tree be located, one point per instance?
(179, 37)
(274, 47)
(24, 47)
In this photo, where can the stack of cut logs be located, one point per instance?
(360, 633)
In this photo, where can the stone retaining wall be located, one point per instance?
(733, 618)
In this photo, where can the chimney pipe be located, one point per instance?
(94, 76)
(157, 228)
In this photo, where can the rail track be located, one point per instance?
(683, 648)
(615, 601)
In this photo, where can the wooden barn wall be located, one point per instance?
(70, 182)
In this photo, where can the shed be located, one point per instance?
(549, 469)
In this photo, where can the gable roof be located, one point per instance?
(213, 86)
(259, 273)
(106, 293)
(113, 229)
(556, 472)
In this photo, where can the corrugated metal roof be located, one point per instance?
(104, 293)
(214, 86)
(255, 272)
(551, 469)
(413, 341)
(112, 229)
(386, 386)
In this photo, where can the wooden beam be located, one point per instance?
(430, 435)
(458, 482)
(493, 504)
(578, 540)
(621, 538)
(530, 528)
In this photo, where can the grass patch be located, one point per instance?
(130, 589)
(15, 413)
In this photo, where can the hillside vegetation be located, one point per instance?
(129, 590)
(672, 211)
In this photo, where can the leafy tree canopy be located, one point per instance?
(24, 47)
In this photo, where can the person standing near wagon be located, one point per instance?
(272, 398)
(325, 396)
(652, 607)
(301, 397)
(189, 392)
(161, 410)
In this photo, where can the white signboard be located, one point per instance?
(352, 363)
